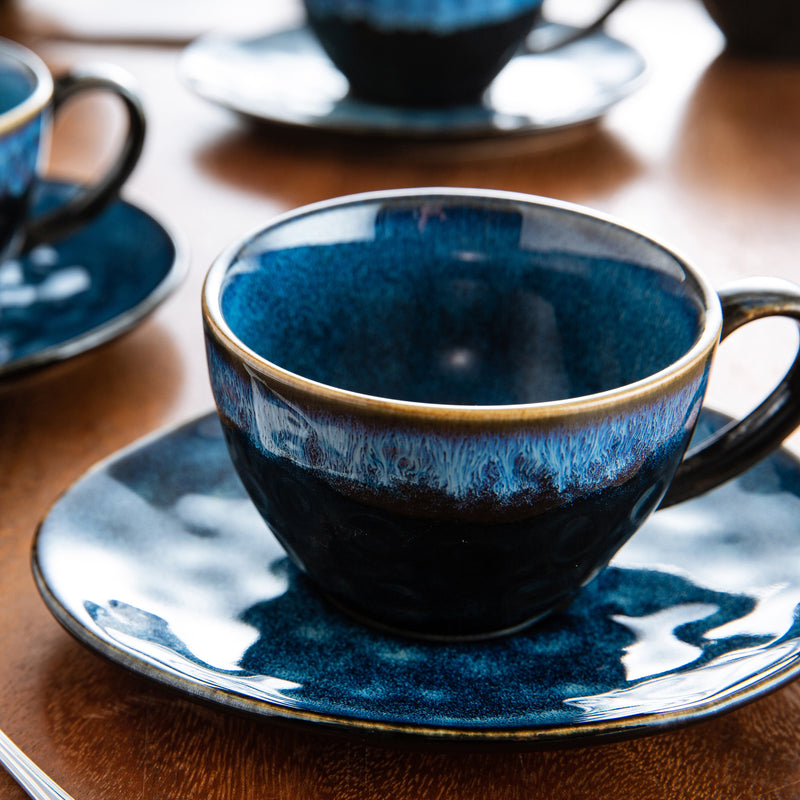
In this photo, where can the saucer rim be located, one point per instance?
(485, 737)
(120, 324)
(352, 125)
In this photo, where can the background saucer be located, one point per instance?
(286, 78)
(157, 560)
(63, 299)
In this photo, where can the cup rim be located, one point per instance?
(42, 90)
(690, 362)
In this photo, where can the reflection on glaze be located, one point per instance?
(157, 559)
(774, 612)
(734, 558)
(566, 89)
(657, 647)
(37, 289)
(719, 679)
(156, 642)
(206, 628)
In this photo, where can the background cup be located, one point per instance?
(768, 28)
(432, 53)
(29, 97)
(453, 407)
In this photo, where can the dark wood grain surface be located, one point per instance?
(705, 156)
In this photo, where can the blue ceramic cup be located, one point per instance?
(430, 53)
(29, 98)
(453, 407)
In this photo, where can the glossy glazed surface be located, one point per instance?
(60, 300)
(533, 94)
(157, 560)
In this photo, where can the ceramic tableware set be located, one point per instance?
(424, 505)
(70, 277)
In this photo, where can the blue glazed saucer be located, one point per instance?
(61, 300)
(286, 78)
(157, 560)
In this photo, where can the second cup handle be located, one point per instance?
(572, 34)
(90, 200)
(741, 444)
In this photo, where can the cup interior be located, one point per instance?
(18, 81)
(463, 301)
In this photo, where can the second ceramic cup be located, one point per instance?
(29, 98)
(433, 53)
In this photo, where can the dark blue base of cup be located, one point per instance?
(414, 68)
(444, 578)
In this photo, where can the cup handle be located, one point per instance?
(92, 199)
(554, 42)
(741, 444)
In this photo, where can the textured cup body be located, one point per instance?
(452, 409)
(446, 529)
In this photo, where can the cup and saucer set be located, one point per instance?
(78, 265)
(424, 507)
(460, 486)
(448, 69)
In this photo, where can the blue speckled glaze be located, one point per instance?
(495, 312)
(159, 561)
(19, 156)
(360, 455)
(62, 299)
(433, 15)
(20, 147)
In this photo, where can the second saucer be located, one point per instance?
(534, 94)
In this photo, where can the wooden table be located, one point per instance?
(705, 156)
